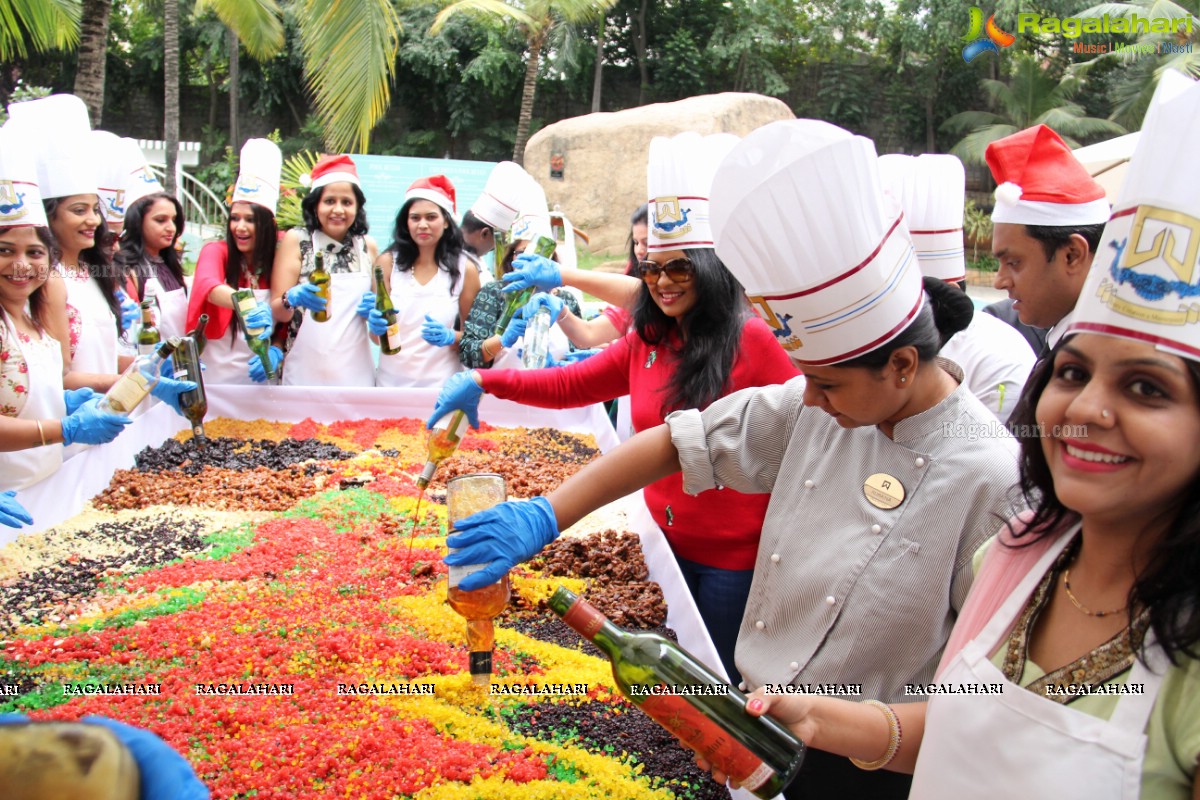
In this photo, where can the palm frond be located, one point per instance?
(44, 24)
(257, 23)
(485, 8)
(350, 49)
(293, 188)
(971, 148)
(970, 121)
(1068, 122)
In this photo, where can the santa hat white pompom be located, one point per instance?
(1008, 193)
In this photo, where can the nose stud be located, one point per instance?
(1104, 413)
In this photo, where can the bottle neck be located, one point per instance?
(589, 623)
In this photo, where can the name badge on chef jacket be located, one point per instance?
(883, 490)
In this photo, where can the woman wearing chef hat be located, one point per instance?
(243, 261)
(879, 496)
(1085, 613)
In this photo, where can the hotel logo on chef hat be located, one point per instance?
(437, 189)
(1144, 283)
(59, 128)
(333, 169)
(679, 176)
(259, 167)
(1040, 182)
(498, 206)
(20, 198)
(122, 175)
(932, 190)
(802, 221)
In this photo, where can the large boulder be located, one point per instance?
(602, 157)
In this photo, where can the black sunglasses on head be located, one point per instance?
(677, 270)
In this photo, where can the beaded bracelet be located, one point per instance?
(893, 738)
(41, 432)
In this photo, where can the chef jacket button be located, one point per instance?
(831, 600)
(809, 484)
(876, 528)
(795, 665)
(742, 686)
(920, 462)
(760, 624)
(774, 558)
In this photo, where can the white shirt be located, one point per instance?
(995, 359)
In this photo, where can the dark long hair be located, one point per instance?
(640, 216)
(449, 247)
(133, 250)
(266, 237)
(1168, 585)
(711, 332)
(947, 311)
(97, 259)
(37, 300)
(308, 207)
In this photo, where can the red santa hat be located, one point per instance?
(436, 189)
(1040, 182)
(334, 169)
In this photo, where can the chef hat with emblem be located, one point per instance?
(498, 205)
(59, 126)
(122, 174)
(437, 189)
(1144, 283)
(533, 212)
(679, 176)
(932, 191)
(20, 198)
(801, 220)
(1040, 182)
(259, 167)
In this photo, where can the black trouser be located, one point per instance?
(825, 776)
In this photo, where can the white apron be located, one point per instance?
(336, 352)
(171, 316)
(22, 468)
(419, 363)
(1019, 745)
(96, 350)
(229, 362)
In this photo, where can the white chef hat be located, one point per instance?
(679, 178)
(932, 191)
(801, 220)
(59, 126)
(20, 198)
(533, 212)
(499, 205)
(122, 174)
(259, 167)
(1144, 283)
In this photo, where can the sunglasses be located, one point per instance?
(677, 270)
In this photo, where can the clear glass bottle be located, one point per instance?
(443, 441)
(137, 381)
(537, 340)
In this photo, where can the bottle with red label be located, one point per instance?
(688, 699)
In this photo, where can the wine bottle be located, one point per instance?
(389, 342)
(466, 495)
(443, 441)
(500, 240)
(244, 302)
(137, 380)
(148, 337)
(537, 340)
(654, 673)
(193, 404)
(544, 246)
(320, 278)
(198, 334)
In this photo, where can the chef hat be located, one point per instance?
(20, 198)
(1040, 182)
(1144, 283)
(122, 175)
(931, 189)
(533, 212)
(259, 167)
(801, 220)
(679, 176)
(498, 205)
(333, 169)
(59, 126)
(437, 189)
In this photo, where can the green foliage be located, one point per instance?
(20, 94)
(977, 225)
(680, 69)
(44, 24)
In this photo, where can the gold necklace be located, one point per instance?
(1075, 602)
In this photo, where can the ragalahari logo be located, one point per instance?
(984, 38)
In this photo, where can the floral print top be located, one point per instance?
(14, 372)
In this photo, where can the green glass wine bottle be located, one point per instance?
(148, 337)
(320, 278)
(244, 302)
(192, 404)
(544, 246)
(389, 340)
(710, 717)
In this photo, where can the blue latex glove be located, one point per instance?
(169, 389)
(377, 323)
(436, 333)
(459, 393)
(551, 302)
(166, 775)
(131, 312)
(305, 295)
(257, 373)
(74, 398)
(501, 537)
(89, 425)
(365, 305)
(12, 513)
(515, 329)
(574, 357)
(260, 317)
(530, 269)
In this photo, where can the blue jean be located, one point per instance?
(720, 596)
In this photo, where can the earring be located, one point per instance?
(904, 379)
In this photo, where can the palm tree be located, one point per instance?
(46, 24)
(171, 90)
(93, 57)
(1032, 97)
(536, 19)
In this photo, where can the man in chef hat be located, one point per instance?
(994, 357)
